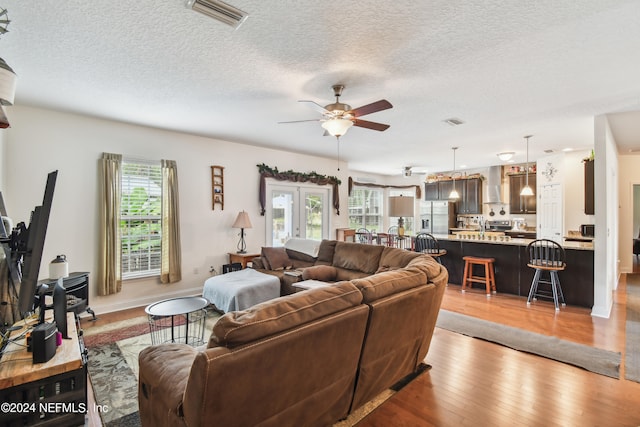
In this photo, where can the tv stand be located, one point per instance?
(53, 393)
(77, 288)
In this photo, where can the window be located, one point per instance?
(141, 218)
(365, 209)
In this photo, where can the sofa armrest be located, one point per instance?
(164, 371)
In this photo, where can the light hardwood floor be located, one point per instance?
(477, 383)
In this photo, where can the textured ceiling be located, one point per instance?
(507, 68)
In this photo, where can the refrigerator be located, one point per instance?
(437, 217)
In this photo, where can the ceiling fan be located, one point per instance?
(407, 171)
(337, 118)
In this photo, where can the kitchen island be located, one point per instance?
(511, 271)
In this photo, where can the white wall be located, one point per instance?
(41, 141)
(606, 267)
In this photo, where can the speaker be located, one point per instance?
(43, 342)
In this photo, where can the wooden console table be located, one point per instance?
(52, 393)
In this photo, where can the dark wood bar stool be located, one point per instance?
(546, 255)
(489, 278)
(427, 244)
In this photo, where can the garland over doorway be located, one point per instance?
(316, 178)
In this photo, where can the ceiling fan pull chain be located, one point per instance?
(338, 142)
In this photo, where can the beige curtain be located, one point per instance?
(110, 275)
(171, 267)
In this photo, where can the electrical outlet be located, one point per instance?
(196, 270)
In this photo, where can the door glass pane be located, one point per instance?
(282, 216)
(314, 216)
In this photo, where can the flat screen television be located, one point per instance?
(30, 248)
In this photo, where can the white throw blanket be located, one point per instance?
(240, 290)
(306, 246)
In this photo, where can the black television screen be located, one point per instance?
(32, 256)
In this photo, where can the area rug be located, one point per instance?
(632, 329)
(113, 370)
(596, 360)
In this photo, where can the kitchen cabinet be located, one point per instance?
(439, 190)
(589, 199)
(470, 191)
(432, 191)
(522, 204)
(470, 196)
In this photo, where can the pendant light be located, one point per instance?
(526, 190)
(454, 194)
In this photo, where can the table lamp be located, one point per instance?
(242, 221)
(400, 206)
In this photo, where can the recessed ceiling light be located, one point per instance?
(566, 150)
(453, 121)
(506, 155)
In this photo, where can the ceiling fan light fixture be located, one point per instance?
(218, 10)
(337, 127)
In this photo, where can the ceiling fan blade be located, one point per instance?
(370, 125)
(374, 107)
(316, 106)
(300, 121)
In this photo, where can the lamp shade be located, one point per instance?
(242, 221)
(7, 84)
(337, 126)
(526, 191)
(400, 206)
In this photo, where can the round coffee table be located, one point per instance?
(178, 320)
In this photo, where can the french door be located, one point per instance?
(297, 211)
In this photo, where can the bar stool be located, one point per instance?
(489, 278)
(427, 244)
(546, 255)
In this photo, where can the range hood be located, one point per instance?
(494, 186)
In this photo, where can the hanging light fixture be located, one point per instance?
(454, 193)
(526, 190)
(337, 126)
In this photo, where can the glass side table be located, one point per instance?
(178, 320)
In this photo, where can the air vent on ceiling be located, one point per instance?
(453, 121)
(219, 10)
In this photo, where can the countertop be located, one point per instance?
(588, 246)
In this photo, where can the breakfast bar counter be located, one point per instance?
(511, 271)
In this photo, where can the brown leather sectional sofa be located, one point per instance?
(309, 358)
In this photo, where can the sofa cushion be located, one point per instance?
(325, 252)
(394, 258)
(390, 282)
(324, 273)
(356, 256)
(300, 256)
(272, 317)
(276, 258)
(428, 265)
